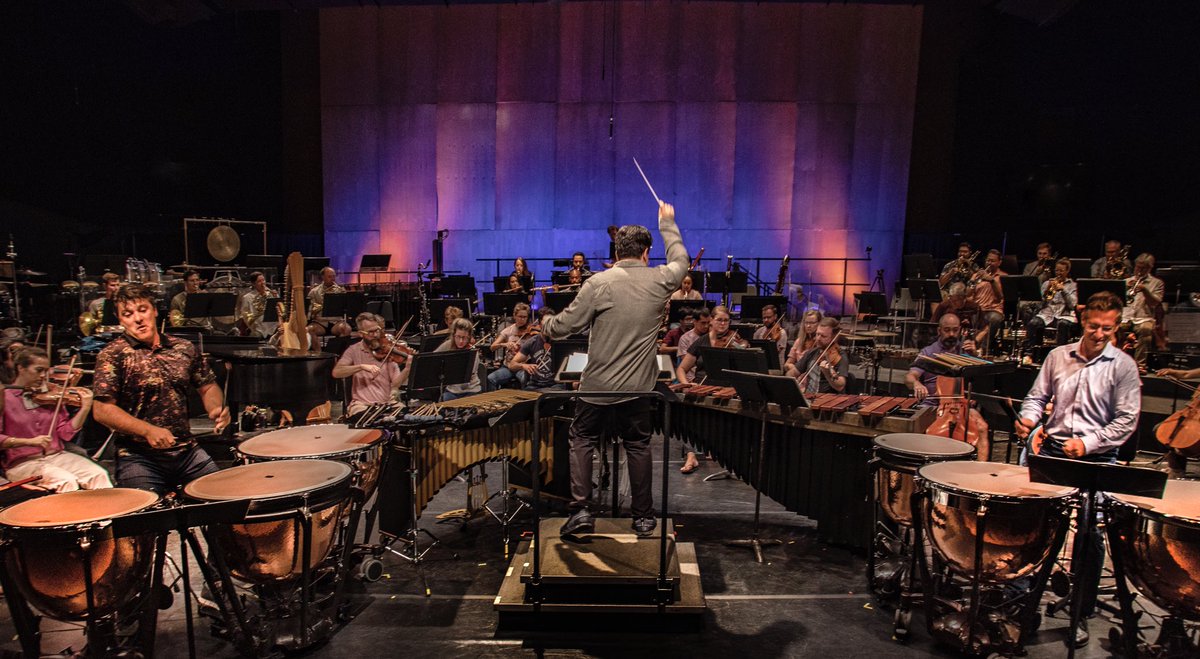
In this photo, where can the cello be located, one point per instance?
(1181, 431)
(957, 418)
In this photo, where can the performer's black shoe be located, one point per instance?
(644, 526)
(579, 522)
(1081, 637)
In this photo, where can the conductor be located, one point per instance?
(623, 306)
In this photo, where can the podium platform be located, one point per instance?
(611, 571)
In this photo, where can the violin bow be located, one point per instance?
(58, 405)
(817, 361)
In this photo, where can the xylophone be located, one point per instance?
(873, 408)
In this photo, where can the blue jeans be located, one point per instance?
(162, 472)
(502, 376)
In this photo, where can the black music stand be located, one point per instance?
(438, 370)
(719, 360)
(919, 266)
(455, 286)
(871, 303)
(1081, 269)
(922, 291)
(208, 305)
(771, 350)
(501, 304)
(563, 348)
(271, 310)
(438, 306)
(760, 390)
(698, 279)
(1092, 478)
(752, 305)
(1019, 288)
(374, 262)
(725, 283)
(1089, 287)
(343, 305)
(559, 301)
(677, 307)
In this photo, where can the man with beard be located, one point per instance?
(372, 381)
(923, 382)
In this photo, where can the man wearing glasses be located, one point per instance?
(372, 381)
(1097, 398)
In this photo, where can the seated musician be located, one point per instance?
(141, 386)
(1143, 297)
(449, 316)
(772, 328)
(669, 344)
(191, 285)
(320, 325)
(1111, 262)
(700, 329)
(253, 306)
(686, 292)
(1097, 398)
(986, 292)
(822, 368)
(579, 262)
(805, 339)
(373, 380)
(1043, 266)
(960, 268)
(509, 340)
(462, 338)
(103, 309)
(1060, 297)
(958, 303)
(521, 269)
(515, 286)
(8, 353)
(535, 359)
(949, 340)
(691, 366)
(574, 281)
(33, 438)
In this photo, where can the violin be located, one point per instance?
(393, 350)
(50, 394)
(1181, 430)
(734, 341)
(831, 355)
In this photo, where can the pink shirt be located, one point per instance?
(365, 388)
(20, 421)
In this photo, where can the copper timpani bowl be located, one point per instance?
(361, 449)
(900, 455)
(268, 545)
(52, 538)
(1022, 517)
(1160, 545)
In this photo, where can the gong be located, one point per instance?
(224, 243)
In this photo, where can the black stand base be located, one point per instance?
(756, 544)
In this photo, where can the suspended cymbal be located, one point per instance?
(26, 272)
(223, 243)
(855, 338)
(878, 334)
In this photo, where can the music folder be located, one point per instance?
(572, 368)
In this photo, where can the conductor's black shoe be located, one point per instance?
(1080, 638)
(644, 526)
(580, 522)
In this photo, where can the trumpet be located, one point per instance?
(1044, 265)
(1114, 266)
(963, 265)
(1132, 290)
(1053, 287)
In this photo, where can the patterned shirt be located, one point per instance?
(151, 383)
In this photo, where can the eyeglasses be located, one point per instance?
(372, 332)
(720, 320)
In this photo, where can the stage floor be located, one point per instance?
(808, 600)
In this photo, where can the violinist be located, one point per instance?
(953, 338)
(772, 328)
(534, 359)
(700, 328)
(142, 382)
(33, 437)
(1060, 296)
(373, 380)
(719, 336)
(805, 338)
(1097, 398)
(823, 368)
(1181, 422)
(461, 338)
(509, 340)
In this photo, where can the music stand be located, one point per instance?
(1019, 288)
(1092, 478)
(573, 366)
(374, 262)
(202, 305)
(1081, 269)
(677, 306)
(343, 305)
(271, 310)
(753, 388)
(752, 305)
(563, 348)
(501, 304)
(455, 286)
(698, 279)
(919, 266)
(923, 290)
(430, 342)
(439, 370)
(871, 303)
(559, 301)
(437, 308)
(1089, 287)
(719, 360)
(771, 350)
(725, 283)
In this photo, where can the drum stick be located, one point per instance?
(652, 192)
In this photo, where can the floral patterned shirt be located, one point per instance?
(151, 383)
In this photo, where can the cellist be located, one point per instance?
(1176, 458)
(949, 340)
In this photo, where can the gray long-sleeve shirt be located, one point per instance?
(624, 307)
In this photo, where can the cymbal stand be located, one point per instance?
(412, 551)
(505, 515)
(755, 542)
